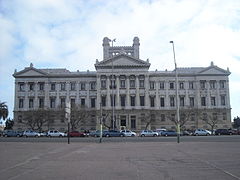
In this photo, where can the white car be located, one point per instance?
(128, 133)
(148, 133)
(55, 133)
(202, 132)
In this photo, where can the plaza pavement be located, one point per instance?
(121, 160)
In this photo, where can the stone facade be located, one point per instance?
(140, 97)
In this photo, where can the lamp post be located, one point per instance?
(67, 114)
(100, 140)
(112, 86)
(177, 96)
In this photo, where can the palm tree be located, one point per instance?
(3, 110)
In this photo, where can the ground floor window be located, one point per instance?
(133, 122)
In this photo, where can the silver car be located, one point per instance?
(148, 133)
(128, 133)
(30, 133)
(55, 133)
(202, 132)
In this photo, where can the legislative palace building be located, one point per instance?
(126, 92)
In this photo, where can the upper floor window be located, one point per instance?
(30, 105)
(172, 101)
(141, 83)
(53, 86)
(113, 84)
(142, 100)
(122, 83)
(191, 99)
(103, 101)
(213, 101)
(41, 102)
(52, 102)
(223, 100)
(63, 86)
(222, 84)
(213, 84)
(73, 86)
(21, 86)
(152, 101)
(93, 85)
(103, 84)
(93, 102)
(162, 103)
(123, 100)
(182, 100)
(203, 101)
(41, 86)
(171, 85)
(191, 85)
(181, 85)
(132, 83)
(82, 101)
(152, 85)
(31, 86)
(21, 103)
(161, 84)
(83, 86)
(63, 102)
(132, 99)
(202, 84)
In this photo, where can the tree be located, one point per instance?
(236, 122)
(3, 110)
(211, 119)
(9, 123)
(79, 114)
(148, 118)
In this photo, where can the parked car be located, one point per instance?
(186, 133)
(128, 133)
(30, 133)
(12, 133)
(202, 132)
(148, 133)
(43, 134)
(159, 131)
(94, 133)
(76, 134)
(169, 133)
(234, 131)
(113, 133)
(55, 133)
(223, 132)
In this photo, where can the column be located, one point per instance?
(118, 93)
(137, 92)
(108, 93)
(128, 94)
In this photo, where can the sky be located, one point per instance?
(69, 33)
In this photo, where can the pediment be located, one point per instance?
(29, 72)
(121, 61)
(214, 70)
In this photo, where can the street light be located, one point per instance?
(112, 85)
(177, 96)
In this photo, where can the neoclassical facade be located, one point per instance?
(123, 87)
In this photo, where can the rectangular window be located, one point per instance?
(93, 85)
(213, 84)
(142, 100)
(222, 84)
(191, 85)
(162, 103)
(181, 85)
(152, 85)
(162, 117)
(93, 102)
(123, 83)
(133, 122)
(113, 100)
(132, 98)
(112, 84)
(172, 101)
(132, 83)
(202, 84)
(31, 103)
(223, 100)
(83, 86)
(103, 101)
(31, 86)
(73, 102)
(152, 101)
(82, 102)
(63, 102)
(171, 85)
(73, 86)
(192, 117)
(123, 121)
(203, 101)
(123, 100)
(21, 103)
(181, 101)
(41, 102)
(161, 84)
(191, 99)
(63, 86)
(21, 86)
(53, 86)
(141, 83)
(103, 84)
(213, 101)
(41, 86)
(52, 102)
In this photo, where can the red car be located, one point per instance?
(76, 134)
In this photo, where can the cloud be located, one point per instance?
(69, 33)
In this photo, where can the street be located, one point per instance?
(212, 157)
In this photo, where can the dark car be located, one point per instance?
(169, 133)
(12, 133)
(223, 132)
(113, 133)
(76, 134)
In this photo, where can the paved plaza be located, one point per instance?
(120, 160)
